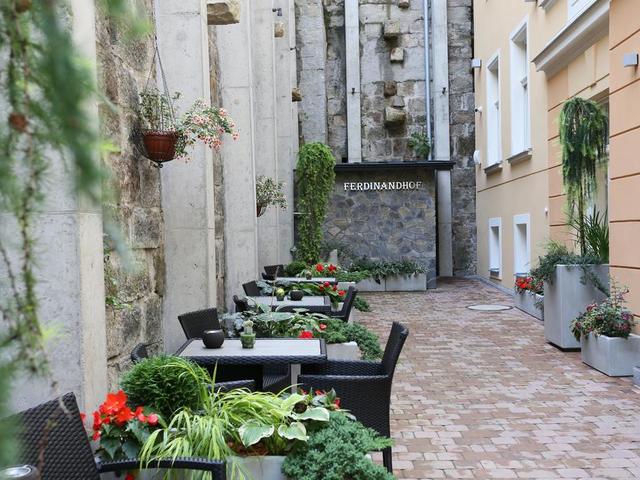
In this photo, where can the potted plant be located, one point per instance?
(577, 280)
(159, 135)
(247, 337)
(269, 192)
(529, 296)
(604, 332)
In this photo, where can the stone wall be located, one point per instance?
(462, 132)
(134, 289)
(385, 224)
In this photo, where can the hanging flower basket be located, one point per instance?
(261, 209)
(160, 144)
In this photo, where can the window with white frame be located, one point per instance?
(576, 7)
(521, 244)
(494, 151)
(520, 112)
(495, 247)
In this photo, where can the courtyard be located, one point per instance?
(481, 395)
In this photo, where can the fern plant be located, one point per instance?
(315, 181)
(583, 137)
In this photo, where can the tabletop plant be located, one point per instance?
(609, 318)
(247, 337)
(269, 192)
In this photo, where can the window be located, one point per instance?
(495, 247)
(576, 7)
(494, 151)
(521, 244)
(520, 116)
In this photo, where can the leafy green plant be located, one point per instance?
(609, 318)
(420, 144)
(361, 305)
(387, 268)
(156, 110)
(337, 451)
(353, 275)
(294, 268)
(337, 331)
(315, 179)
(165, 383)
(595, 228)
(583, 137)
(269, 192)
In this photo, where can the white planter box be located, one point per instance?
(613, 356)
(526, 301)
(343, 351)
(370, 285)
(258, 468)
(407, 283)
(565, 298)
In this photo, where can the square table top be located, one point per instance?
(267, 351)
(331, 280)
(314, 303)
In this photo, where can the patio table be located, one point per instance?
(331, 280)
(234, 362)
(317, 304)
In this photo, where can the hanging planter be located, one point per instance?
(269, 192)
(160, 145)
(260, 209)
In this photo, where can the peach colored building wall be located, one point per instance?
(624, 168)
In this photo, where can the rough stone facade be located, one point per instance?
(134, 290)
(385, 224)
(462, 133)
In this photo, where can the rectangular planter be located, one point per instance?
(407, 283)
(526, 301)
(615, 357)
(335, 351)
(370, 285)
(565, 298)
(258, 468)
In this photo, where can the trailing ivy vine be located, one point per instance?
(583, 136)
(315, 181)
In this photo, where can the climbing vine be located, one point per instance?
(315, 181)
(583, 137)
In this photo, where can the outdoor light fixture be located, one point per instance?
(476, 63)
(630, 60)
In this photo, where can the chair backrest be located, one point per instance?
(52, 438)
(242, 304)
(139, 353)
(194, 323)
(347, 306)
(274, 270)
(397, 337)
(251, 289)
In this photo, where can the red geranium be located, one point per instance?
(332, 268)
(305, 334)
(342, 293)
(323, 326)
(319, 268)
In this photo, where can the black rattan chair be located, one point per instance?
(242, 304)
(364, 387)
(271, 272)
(347, 306)
(53, 439)
(276, 378)
(195, 323)
(251, 289)
(139, 353)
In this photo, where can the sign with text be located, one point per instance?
(377, 186)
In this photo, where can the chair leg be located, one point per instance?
(386, 459)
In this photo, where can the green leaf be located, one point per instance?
(252, 432)
(295, 431)
(131, 448)
(316, 413)
(110, 445)
(139, 431)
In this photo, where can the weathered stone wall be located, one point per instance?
(462, 132)
(386, 224)
(134, 292)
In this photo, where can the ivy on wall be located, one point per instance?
(315, 179)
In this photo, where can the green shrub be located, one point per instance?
(340, 332)
(163, 383)
(337, 451)
(295, 268)
(386, 268)
(361, 305)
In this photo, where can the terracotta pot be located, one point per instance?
(160, 145)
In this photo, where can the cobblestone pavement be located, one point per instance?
(481, 395)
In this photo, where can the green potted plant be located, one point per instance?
(604, 332)
(269, 192)
(247, 337)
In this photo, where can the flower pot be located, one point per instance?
(529, 302)
(213, 338)
(248, 340)
(258, 468)
(370, 285)
(613, 356)
(160, 145)
(565, 298)
(296, 295)
(406, 283)
(343, 351)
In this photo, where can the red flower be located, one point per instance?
(332, 268)
(336, 402)
(323, 326)
(319, 392)
(335, 287)
(305, 334)
(319, 268)
(114, 403)
(130, 476)
(326, 284)
(321, 288)
(83, 417)
(96, 436)
(124, 415)
(342, 293)
(152, 419)
(97, 421)
(139, 414)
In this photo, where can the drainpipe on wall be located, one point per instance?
(352, 57)
(427, 73)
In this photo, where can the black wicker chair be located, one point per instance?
(345, 311)
(276, 378)
(53, 439)
(251, 289)
(364, 387)
(195, 323)
(139, 353)
(271, 272)
(242, 304)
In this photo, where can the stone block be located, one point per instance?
(397, 55)
(394, 116)
(404, 3)
(390, 88)
(146, 229)
(278, 29)
(391, 29)
(223, 12)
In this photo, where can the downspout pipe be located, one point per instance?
(427, 72)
